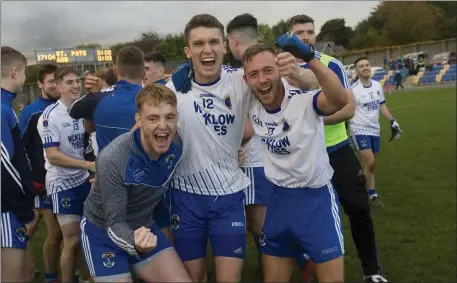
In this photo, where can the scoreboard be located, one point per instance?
(73, 56)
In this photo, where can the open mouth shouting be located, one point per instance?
(161, 138)
(208, 62)
(264, 91)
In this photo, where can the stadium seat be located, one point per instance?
(437, 67)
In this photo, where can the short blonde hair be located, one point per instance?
(154, 94)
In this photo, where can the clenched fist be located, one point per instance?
(288, 66)
(145, 240)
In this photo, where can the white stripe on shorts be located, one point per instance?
(86, 248)
(37, 201)
(336, 216)
(7, 239)
(55, 203)
(354, 142)
(250, 190)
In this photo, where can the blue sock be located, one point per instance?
(48, 277)
(372, 193)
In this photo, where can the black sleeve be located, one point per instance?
(85, 106)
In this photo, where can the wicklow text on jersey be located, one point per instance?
(218, 122)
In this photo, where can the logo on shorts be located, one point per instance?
(108, 260)
(175, 221)
(140, 174)
(66, 202)
(227, 101)
(237, 224)
(238, 251)
(330, 250)
(46, 200)
(20, 234)
(262, 239)
(364, 143)
(169, 160)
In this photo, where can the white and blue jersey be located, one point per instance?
(207, 200)
(68, 187)
(302, 215)
(364, 126)
(210, 126)
(368, 100)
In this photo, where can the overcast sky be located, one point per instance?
(31, 25)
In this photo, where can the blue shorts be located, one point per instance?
(162, 215)
(367, 142)
(303, 221)
(43, 202)
(13, 232)
(106, 261)
(70, 201)
(195, 218)
(260, 189)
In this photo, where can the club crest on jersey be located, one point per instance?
(45, 123)
(285, 127)
(140, 174)
(227, 101)
(169, 160)
(20, 234)
(108, 260)
(175, 221)
(65, 202)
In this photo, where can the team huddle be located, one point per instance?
(209, 155)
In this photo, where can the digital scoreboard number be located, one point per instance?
(71, 56)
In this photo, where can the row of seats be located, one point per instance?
(438, 74)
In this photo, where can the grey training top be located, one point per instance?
(128, 186)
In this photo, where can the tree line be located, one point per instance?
(390, 23)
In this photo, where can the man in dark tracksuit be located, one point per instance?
(348, 178)
(18, 215)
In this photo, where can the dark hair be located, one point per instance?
(110, 77)
(242, 21)
(10, 58)
(155, 57)
(299, 19)
(44, 70)
(359, 59)
(256, 49)
(63, 71)
(202, 20)
(130, 62)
